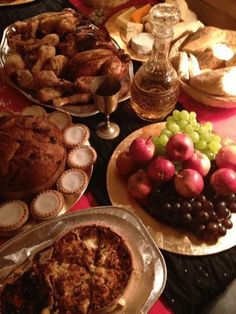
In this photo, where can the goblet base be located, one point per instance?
(108, 132)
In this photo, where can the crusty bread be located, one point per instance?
(220, 82)
(206, 37)
(207, 60)
(32, 156)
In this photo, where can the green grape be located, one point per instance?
(200, 145)
(182, 124)
(192, 115)
(208, 126)
(205, 135)
(163, 139)
(184, 114)
(214, 146)
(155, 140)
(166, 132)
(194, 136)
(209, 154)
(173, 127)
(188, 129)
(170, 119)
(175, 114)
(216, 138)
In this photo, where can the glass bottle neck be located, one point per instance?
(160, 50)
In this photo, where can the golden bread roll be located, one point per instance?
(220, 82)
(207, 37)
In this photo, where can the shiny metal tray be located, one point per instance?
(149, 275)
(81, 111)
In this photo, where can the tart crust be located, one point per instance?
(13, 214)
(61, 119)
(76, 135)
(81, 157)
(47, 204)
(72, 181)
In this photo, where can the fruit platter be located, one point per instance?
(179, 178)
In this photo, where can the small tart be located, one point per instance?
(61, 119)
(13, 215)
(47, 204)
(76, 135)
(82, 157)
(72, 181)
(34, 110)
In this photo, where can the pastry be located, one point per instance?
(13, 215)
(34, 110)
(61, 119)
(32, 156)
(72, 181)
(75, 135)
(82, 157)
(87, 270)
(47, 204)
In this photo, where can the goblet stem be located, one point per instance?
(108, 122)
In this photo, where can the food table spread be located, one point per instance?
(192, 281)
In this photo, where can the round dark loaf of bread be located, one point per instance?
(32, 156)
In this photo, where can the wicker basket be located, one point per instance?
(104, 3)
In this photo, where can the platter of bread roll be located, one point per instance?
(206, 65)
(132, 29)
(46, 164)
(52, 58)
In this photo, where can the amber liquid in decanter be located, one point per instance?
(155, 87)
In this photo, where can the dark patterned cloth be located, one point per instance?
(192, 281)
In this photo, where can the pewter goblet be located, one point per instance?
(105, 91)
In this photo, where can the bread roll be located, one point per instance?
(194, 68)
(220, 82)
(184, 28)
(231, 62)
(183, 71)
(206, 37)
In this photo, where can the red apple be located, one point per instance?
(189, 183)
(142, 150)
(199, 162)
(179, 147)
(226, 157)
(161, 169)
(126, 164)
(223, 181)
(139, 185)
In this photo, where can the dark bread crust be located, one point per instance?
(32, 155)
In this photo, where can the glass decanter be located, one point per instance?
(155, 87)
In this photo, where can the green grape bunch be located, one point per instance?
(202, 135)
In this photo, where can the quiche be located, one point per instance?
(85, 271)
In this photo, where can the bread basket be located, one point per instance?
(104, 3)
(200, 96)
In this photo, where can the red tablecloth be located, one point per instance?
(224, 121)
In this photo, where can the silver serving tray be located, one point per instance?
(149, 275)
(74, 110)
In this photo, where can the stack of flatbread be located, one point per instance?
(207, 61)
